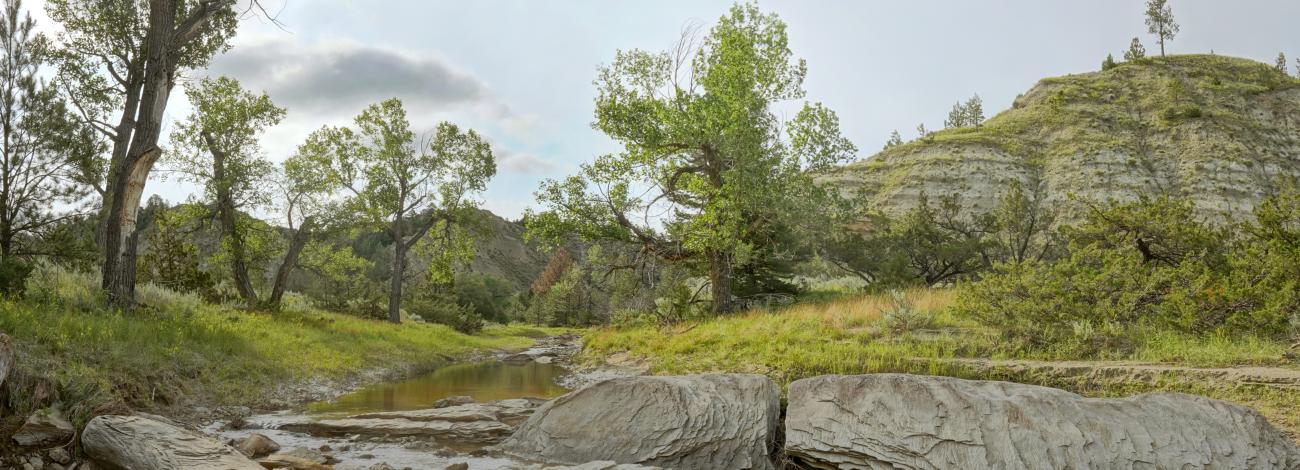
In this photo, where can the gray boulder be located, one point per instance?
(6, 357)
(140, 443)
(715, 421)
(46, 427)
(898, 421)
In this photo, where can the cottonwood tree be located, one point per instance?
(119, 60)
(217, 148)
(406, 186)
(1160, 22)
(306, 192)
(1135, 51)
(706, 167)
(43, 148)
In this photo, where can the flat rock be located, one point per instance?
(889, 421)
(453, 401)
(45, 427)
(715, 421)
(140, 443)
(489, 431)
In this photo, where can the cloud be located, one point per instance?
(526, 163)
(344, 78)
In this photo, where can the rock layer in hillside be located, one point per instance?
(715, 421)
(889, 421)
(1220, 131)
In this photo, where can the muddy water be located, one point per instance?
(483, 381)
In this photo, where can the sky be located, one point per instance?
(520, 71)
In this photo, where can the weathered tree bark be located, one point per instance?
(142, 122)
(720, 282)
(229, 219)
(290, 262)
(399, 267)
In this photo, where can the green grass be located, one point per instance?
(180, 351)
(847, 337)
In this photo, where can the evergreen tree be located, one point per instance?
(921, 131)
(1135, 51)
(1109, 63)
(975, 111)
(956, 116)
(1160, 22)
(1280, 65)
(895, 139)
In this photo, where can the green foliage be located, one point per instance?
(446, 311)
(171, 258)
(1280, 63)
(968, 114)
(183, 351)
(1135, 51)
(1160, 22)
(13, 276)
(568, 302)
(486, 296)
(902, 316)
(1109, 63)
(895, 139)
(1149, 265)
(698, 126)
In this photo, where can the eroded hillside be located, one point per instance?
(1220, 131)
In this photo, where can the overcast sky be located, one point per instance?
(521, 71)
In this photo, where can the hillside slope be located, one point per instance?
(1220, 131)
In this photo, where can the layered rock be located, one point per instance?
(715, 421)
(889, 421)
(140, 443)
(1221, 132)
(471, 423)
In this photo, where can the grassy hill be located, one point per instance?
(1221, 131)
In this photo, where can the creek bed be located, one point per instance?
(484, 381)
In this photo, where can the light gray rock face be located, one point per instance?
(898, 421)
(6, 357)
(138, 443)
(715, 421)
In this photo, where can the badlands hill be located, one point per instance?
(1220, 131)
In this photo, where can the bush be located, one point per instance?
(13, 276)
(446, 312)
(1146, 266)
(901, 315)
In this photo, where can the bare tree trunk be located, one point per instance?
(720, 282)
(128, 175)
(399, 267)
(230, 224)
(290, 262)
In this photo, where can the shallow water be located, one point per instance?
(483, 381)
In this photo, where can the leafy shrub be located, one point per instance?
(1150, 265)
(447, 312)
(13, 276)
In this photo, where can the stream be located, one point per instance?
(484, 381)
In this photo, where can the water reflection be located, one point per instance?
(484, 381)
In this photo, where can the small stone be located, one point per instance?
(453, 401)
(458, 466)
(544, 359)
(58, 454)
(325, 448)
(381, 466)
(255, 445)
